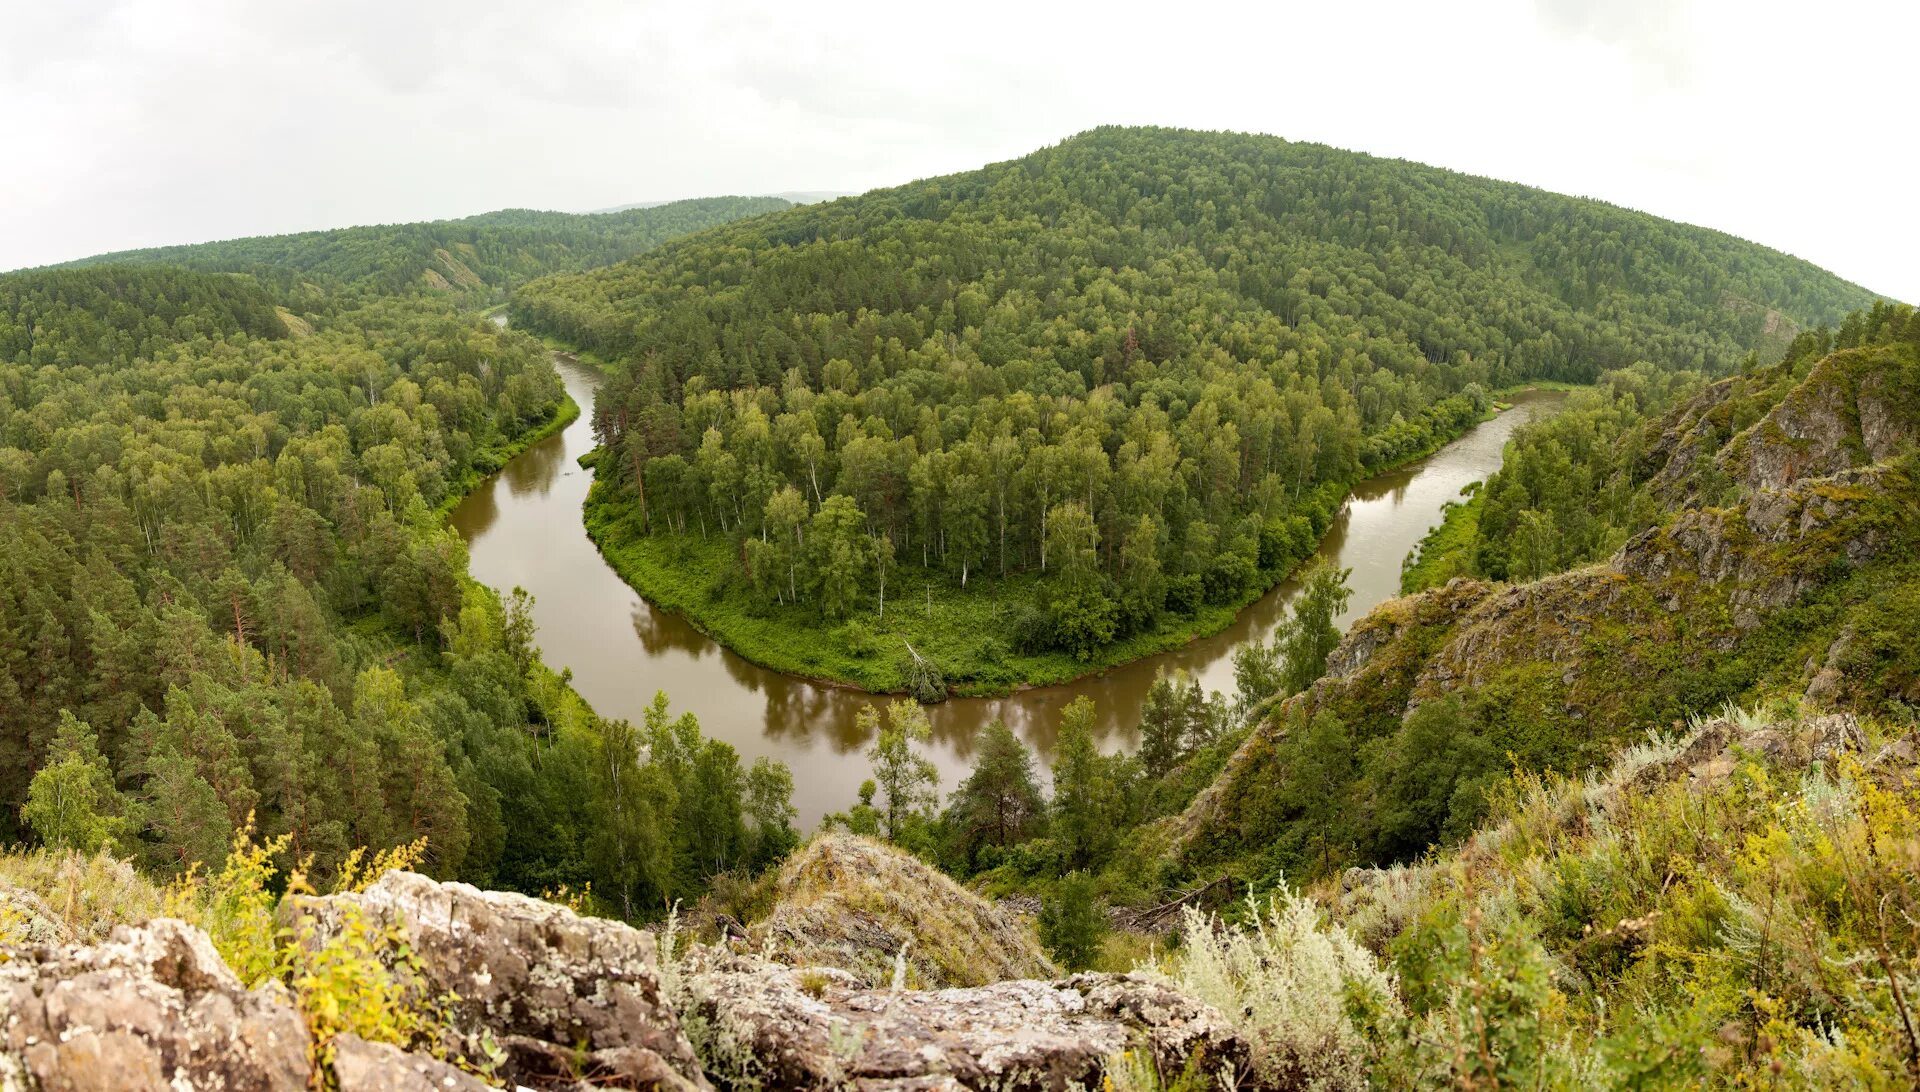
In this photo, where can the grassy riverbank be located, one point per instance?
(966, 632)
(1445, 552)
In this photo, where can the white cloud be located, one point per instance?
(147, 122)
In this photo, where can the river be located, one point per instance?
(523, 528)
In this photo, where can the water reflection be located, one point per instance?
(523, 528)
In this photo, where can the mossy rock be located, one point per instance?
(854, 904)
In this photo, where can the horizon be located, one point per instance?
(1676, 110)
(822, 196)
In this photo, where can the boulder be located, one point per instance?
(152, 1008)
(855, 904)
(1821, 739)
(774, 1026)
(534, 979)
(360, 1066)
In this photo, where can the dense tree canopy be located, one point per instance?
(1124, 365)
(112, 315)
(489, 252)
(226, 598)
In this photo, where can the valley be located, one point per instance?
(523, 529)
(1175, 611)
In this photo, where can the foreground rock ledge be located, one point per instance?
(154, 1007)
(565, 1002)
(564, 996)
(774, 1026)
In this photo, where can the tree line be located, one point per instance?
(475, 255)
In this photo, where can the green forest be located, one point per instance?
(1021, 423)
(1621, 793)
(229, 603)
(483, 255)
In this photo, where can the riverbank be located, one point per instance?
(968, 634)
(1442, 555)
(487, 463)
(965, 632)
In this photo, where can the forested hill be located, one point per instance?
(228, 602)
(1196, 242)
(1136, 370)
(494, 250)
(113, 314)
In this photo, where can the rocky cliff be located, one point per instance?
(1792, 496)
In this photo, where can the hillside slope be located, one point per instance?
(1786, 567)
(1101, 395)
(111, 315)
(489, 252)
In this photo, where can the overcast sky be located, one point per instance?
(145, 123)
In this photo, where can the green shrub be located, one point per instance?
(1071, 925)
(1316, 1007)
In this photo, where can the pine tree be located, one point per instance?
(631, 850)
(1081, 788)
(998, 804)
(910, 782)
(1309, 636)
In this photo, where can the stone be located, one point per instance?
(817, 1029)
(1818, 739)
(25, 918)
(360, 1066)
(152, 1008)
(528, 971)
(854, 903)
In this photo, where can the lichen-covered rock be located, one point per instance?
(25, 918)
(788, 1028)
(529, 975)
(360, 1066)
(153, 1008)
(1824, 739)
(855, 904)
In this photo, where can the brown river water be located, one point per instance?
(523, 527)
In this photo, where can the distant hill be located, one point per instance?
(792, 197)
(1406, 258)
(485, 253)
(111, 314)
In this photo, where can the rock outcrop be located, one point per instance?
(153, 1008)
(25, 918)
(1783, 485)
(857, 905)
(564, 996)
(774, 1026)
(360, 1066)
(540, 997)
